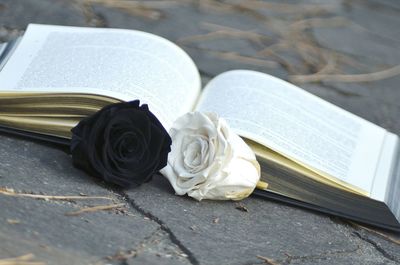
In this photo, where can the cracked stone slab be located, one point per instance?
(40, 167)
(386, 243)
(33, 224)
(44, 225)
(267, 229)
(159, 249)
(13, 245)
(365, 255)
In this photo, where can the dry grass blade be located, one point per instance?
(267, 260)
(369, 77)
(11, 192)
(21, 260)
(241, 207)
(233, 56)
(135, 8)
(228, 7)
(281, 45)
(273, 51)
(329, 67)
(299, 53)
(311, 55)
(215, 6)
(346, 60)
(96, 208)
(13, 221)
(122, 255)
(249, 34)
(208, 36)
(291, 68)
(287, 8)
(221, 34)
(148, 4)
(320, 22)
(18, 262)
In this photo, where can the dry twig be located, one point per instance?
(11, 192)
(21, 260)
(13, 221)
(241, 207)
(122, 255)
(95, 209)
(369, 77)
(267, 260)
(295, 8)
(226, 7)
(246, 34)
(221, 34)
(148, 4)
(320, 22)
(146, 9)
(233, 56)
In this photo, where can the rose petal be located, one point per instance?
(123, 143)
(208, 160)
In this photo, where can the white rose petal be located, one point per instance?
(208, 160)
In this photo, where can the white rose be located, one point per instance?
(208, 160)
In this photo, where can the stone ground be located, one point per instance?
(328, 48)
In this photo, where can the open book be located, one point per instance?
(313, 154)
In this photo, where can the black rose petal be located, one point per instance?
(123, 143)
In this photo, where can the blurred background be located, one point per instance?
(344, 51)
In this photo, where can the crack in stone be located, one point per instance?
(376, 246)
(147, 239)
(163, 227)
(124, 256)
(321, 256)
(289, 258)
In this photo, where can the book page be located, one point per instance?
(297, 124)
(124, 64)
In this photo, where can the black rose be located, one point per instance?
(123, 143)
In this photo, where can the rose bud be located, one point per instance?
(123, 143)
(208, 160)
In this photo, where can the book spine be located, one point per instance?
(50, 139)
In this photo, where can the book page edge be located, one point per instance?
(380, 186)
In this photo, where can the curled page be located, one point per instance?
(123, 64)
(308, 130)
